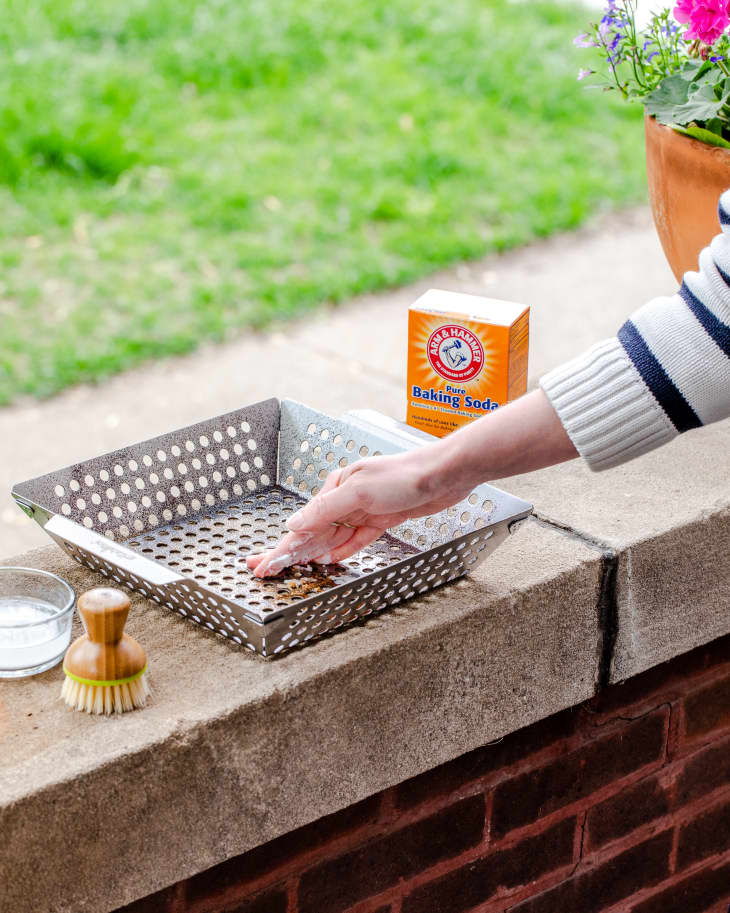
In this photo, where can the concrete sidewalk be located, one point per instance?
(580, 286)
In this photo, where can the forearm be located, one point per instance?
(521, 437)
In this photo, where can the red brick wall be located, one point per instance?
(620, 805)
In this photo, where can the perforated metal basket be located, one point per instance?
(173, 518)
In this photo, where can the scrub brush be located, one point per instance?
(106, 669)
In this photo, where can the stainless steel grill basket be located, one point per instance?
(173, 519)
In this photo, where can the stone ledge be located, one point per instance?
(234, 750)
(666, 518)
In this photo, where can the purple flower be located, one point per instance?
(583, 73)
(584, 41)
(717, 59)
(652, 55)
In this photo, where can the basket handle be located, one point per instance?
(70, 533)
(398, 433)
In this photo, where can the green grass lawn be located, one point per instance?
(173, 170)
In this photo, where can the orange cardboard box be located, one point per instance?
(467, 356)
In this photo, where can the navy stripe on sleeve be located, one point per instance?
(680, 413)
(715, 328)
(725, 277)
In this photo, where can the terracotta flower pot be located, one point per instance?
(686, 178)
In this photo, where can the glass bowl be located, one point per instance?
(36, 611)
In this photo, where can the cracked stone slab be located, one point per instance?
(666, 516)
(234, 750)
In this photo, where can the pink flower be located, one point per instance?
(683, 10)
(707, 19)
(583, 73)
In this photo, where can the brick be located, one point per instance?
(631, 808)
(531, 795)
(695, 894)
(707, 710)
(707, 770)
(509, 868)
(271, 902)
(266, 859)
(339, 883)
(606, 884)
(482, 761)
(160, 902)
(704, 836)
(664, 681)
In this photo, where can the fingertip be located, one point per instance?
(295, 522)
(324, 559)
(261, 570)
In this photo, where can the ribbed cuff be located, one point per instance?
(605, 406)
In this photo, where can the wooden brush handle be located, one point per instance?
(104, 611)
(105, 653)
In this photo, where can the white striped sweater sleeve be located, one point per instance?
(667, 370)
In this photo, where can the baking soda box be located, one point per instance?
(467, 356)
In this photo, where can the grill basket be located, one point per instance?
(173, 519)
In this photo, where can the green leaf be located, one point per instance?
(710, 77)
(694, 68)
(676, 102)
(715, 125)
(704, 136)
(667, 97)
(702, 105)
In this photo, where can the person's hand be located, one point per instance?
(357, 504)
